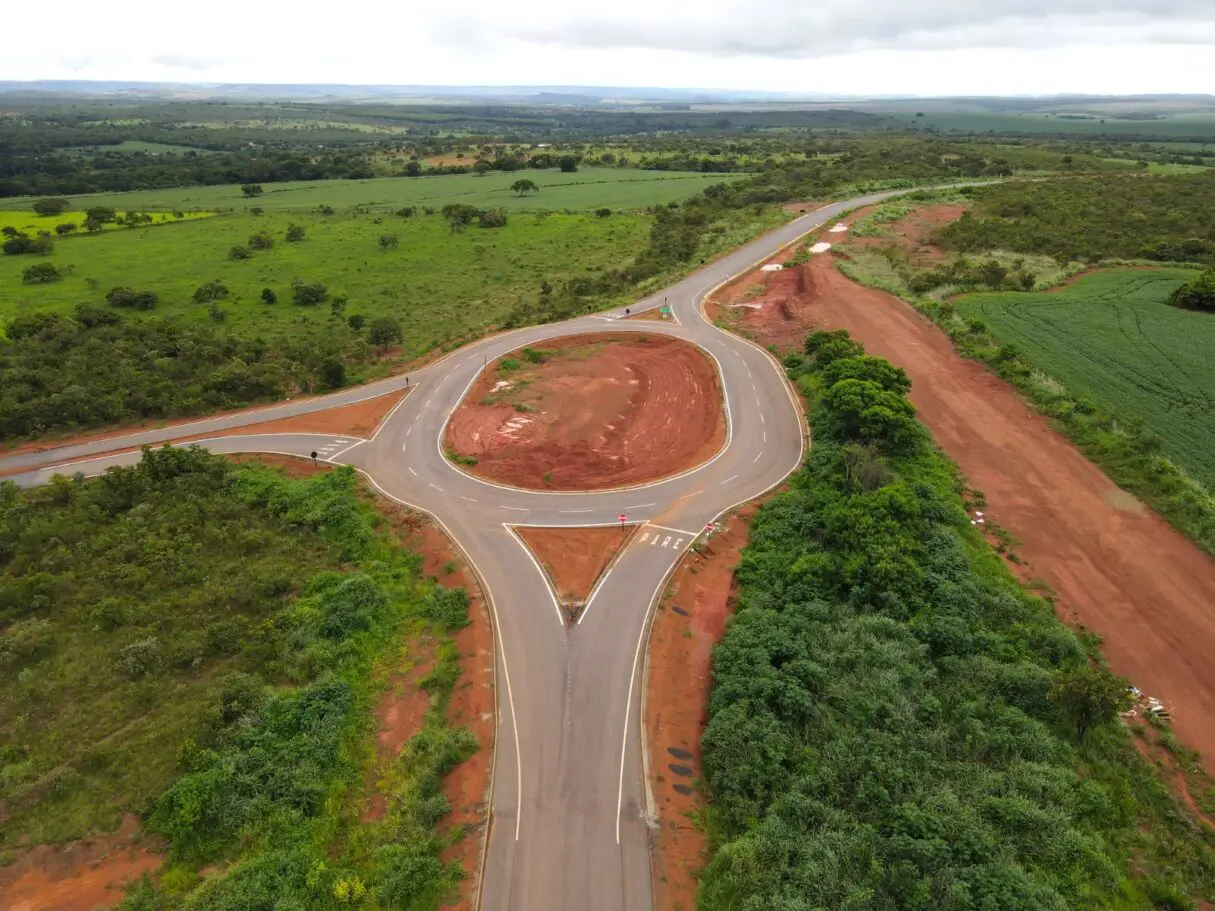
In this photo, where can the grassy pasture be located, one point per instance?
(438, 283)
(1111, 337)
(589, 188)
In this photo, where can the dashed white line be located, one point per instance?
(515, 508)
(412, 472)
(469, 499)
(759, 455)
(761, 418)
(728, 480)
(436, 486)
(408, 430)
(641, 506)
(572, 510)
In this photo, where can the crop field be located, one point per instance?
(31, 223)
(588, 188)
(439, 284)
(1112, 337)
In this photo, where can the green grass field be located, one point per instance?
(1112, 337)
(589, 188)
(438, 283)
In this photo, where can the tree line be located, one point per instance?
(894, 722)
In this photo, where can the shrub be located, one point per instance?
(268, 296)
(126, 298)
(40, 273)
(142, 658)
(251, 189)
(239, 252)
(51, 206)
(384, 332)
(295, 234)
(388, 241)
(260, 241)
(66, 228)
(1196, 295)
(211, 291)
(306, 294)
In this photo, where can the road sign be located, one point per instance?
(622, 518)
(709, 528)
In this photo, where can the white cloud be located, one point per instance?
(834, 46)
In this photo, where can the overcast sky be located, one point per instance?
(941, 47)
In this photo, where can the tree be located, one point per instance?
(413, 169)
(1196, 295)
(260, 241)
(10, 231)
(268, 296)
(102, 214)
(133, 300)
(295, 234)
(239, 252)
(333, 374)
(482, 167)
(384, 332)
(866, 411)
(1089, 696)
(40, 273)
(93, 225)
(51, 206)
(388, 241)
(356, 321)
(523, 186)
(406, 211)
(568, 164)
(492, 218)
(251, 189)
(306, 294)
(66, 228)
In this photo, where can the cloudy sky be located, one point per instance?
(943, 47)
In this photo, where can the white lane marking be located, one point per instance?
(388, 417)
(436, 486)
(728, 480)
(692, 494)
(409, 430)
(501, 650)
(676, 530)
(761, 418)
(412, 472)
(645, 536)
(346, 450)
(666, 541)
(765, 439)
(515, 508)
(548, 585)
(641, 506)
(341, 441)
(572, 510)
(469, 499)
(428, 401)
(678, 542)
(759, 455)
(654, 540)
(403, 445)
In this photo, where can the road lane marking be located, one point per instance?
(759, 455)
(765, 439)
(409, 430)
(428, 401)
(679, 531)
(469, 499)
(692, 494)
(645, 536)
(568, 511)
(727, 480)
(761, 418)
(346, 450)
(678, 542)
(436, 486)
(515, 508)
(412, 472)
(654, 540)
(548, 585)
(642, 506)
(666, 541)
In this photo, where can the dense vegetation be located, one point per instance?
(1198, 294)
(894, 722)
(197, 643)
(1168, 219)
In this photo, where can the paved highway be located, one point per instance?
(570, 810)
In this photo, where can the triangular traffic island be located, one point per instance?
(574, 559)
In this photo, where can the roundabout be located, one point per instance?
(569, 809)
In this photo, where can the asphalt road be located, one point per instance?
(570, 808)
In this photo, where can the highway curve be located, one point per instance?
(569, 808)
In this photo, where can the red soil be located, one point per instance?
(910, 234)
(80, 876)
(1118, 569)
(471, 705)
(574, 558)
(604, 411)
(676, 697)
(771, 308)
